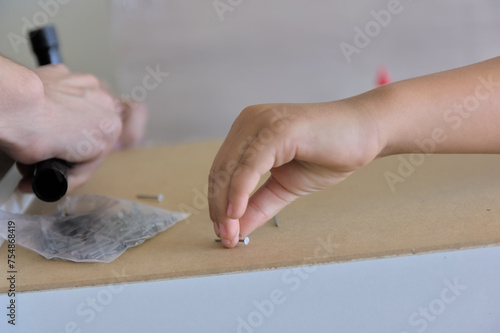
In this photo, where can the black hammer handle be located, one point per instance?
(50, 178)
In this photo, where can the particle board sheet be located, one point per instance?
(436, 203)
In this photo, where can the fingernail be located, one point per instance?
(230, 209)
(216, 229)
(222, 230)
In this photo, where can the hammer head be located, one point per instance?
(45, 45)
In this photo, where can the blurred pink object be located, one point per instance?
(382, 76)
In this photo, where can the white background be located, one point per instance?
(263, 51)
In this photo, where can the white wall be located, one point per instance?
(263, 51)
(83, 29)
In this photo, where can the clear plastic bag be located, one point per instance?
(89, 228)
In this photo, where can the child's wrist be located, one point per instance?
(369, 106)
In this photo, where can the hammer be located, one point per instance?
(50, 177)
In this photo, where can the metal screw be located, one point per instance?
(276, 221)
(158, 197)
(245, 241)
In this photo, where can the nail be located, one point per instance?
(158, 197)
(276, 221)
(246, 240)
(222, 230)
(216, 229)
(230, 209)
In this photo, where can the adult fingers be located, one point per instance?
(101, 99)
(25, 184)
(83, 80)
(134, 118)
(27, 173)
(81, 173)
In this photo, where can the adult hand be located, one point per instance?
(61, 115)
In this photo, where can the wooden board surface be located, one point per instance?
(446, 203)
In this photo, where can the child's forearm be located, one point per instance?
(456, 111)
(319, 145)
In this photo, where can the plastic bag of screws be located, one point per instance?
(89, 228)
